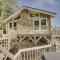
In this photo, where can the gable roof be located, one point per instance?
(39, 10)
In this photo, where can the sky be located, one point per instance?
(48, 5)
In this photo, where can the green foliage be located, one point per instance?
(6, 8)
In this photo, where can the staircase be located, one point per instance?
(6, 52)
(34, 53)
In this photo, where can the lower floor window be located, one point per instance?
(13, 25)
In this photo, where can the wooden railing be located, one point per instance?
(33, 53)
(4, 41)
(6, 53)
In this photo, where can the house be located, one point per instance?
(32, 26)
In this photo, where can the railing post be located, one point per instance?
(30, 54)
(21, 56)
(35, 55)
(27, 55)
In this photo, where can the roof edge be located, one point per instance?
(51, 13)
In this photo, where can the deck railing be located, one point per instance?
(33, 53)
(4, 41)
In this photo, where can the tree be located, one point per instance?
(7, 7)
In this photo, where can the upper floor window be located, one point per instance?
(15, 25)
(10, 25)
(43, 23)
(36, 24)
(40, 24)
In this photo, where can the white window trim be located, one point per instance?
(39, 24)
(46, 24)
(9, 26)
(33, 23)
(12, 25)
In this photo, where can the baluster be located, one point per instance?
(24, 55)
(27, 55)
(37, 54)
(20, 56)
(30, 54)
(40, 54)
(17, 58)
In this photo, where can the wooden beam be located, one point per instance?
(23, 37)
(38, 39)
(47, 39)
(31, 39)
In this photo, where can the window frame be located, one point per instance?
(46, 23)
(11, 25)
(39, 23)
(34, 19)
(14, 27)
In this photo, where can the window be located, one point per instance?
(10, 25)
(36, 24)
(4, 31)
(15, 25)
(43, 24)
(40, 24)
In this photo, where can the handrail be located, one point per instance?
(6, 52)
(28, 49)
